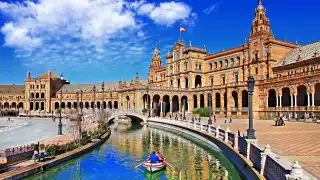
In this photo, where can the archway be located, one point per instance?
(63, 105)
(245, 99)
(56, 105)
(195, 101)
(146, 101)
(81, 105)
(184, 103)
(42, 106)
(156, 105)
(201, 100)
(128, 102)
(286, 98)
(317, 95)
(42, 95)
(235, 98)
(302, 97)
(75, 105)
(69, 105)
(92, 106)
(32, 95)
(13, 105)
(104, 105)
(110, 105)
(37, 95)
(272, 98)
(175, 103)
(115, 105)
(86, 105)
(6, 105)
(98, 105)
(20, 105)
(218, 100)
(197, 81)
(166, 104)
(186, 82)
(37, 106)
(31, 106)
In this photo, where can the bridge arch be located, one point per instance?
(135, 117)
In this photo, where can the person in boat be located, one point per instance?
(159, 155)
(153, 157)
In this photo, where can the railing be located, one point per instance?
(264, 160)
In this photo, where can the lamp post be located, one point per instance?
(94, 97)
(79, 114)
(148, 101)
(60, 109)
(210, 109)
(184, 109)
(102, 87)
(250, 131)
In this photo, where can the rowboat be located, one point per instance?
(154, 167)
(153, 175)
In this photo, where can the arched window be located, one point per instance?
(226, 65)
(221, 64)
(215, 65)
(210, 66)
(238, 61)
(232, 62)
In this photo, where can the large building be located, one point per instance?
(287, 81)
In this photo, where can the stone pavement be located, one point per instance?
(297, 141)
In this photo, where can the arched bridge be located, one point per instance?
(134, 116)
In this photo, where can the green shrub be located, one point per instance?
(204, 112)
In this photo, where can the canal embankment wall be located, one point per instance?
(39, 167)
(244, 167)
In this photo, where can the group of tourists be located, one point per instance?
(279, 121)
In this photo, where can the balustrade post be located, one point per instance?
(264, 155)
(248, 149)
(296, 172)
(236, 142)
(209, 129)
(201, 126)
(217, 131)
(226, 135)
(194, 125)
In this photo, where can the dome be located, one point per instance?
(260, 7)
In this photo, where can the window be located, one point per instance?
(37, 86)
(256, 56)
(196, 66)
(199, 67)
(171, 83)
(257, 70)
(226, 63)
(220, 64)
(210, 66)
(232, 62)
(238, 61)
(186, 66)
(215, 65)
(223, 79)
(236, 77)
(212, 81)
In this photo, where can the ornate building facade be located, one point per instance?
(287, 81)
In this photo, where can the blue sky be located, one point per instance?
(111, 40)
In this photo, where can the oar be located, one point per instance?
(139, 165)
(169, 165)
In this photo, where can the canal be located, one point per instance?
(129, 145)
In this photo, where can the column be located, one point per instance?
(295, 100)
(151, 104)
(312, 102)
(280, 100)
(291, 100)
(188, 107)
(277, 100)
(198, 101)
(308, 99)
(171, 107)
(160, 108)
(267, 101)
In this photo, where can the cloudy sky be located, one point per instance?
(111, 40)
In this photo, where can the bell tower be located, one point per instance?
(156, 59)
(261, 23)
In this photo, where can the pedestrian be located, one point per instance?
(199, 119)
(230, 120)
(192, 119)
(225, 119)
(214, 118)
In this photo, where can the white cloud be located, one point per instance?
(167, 13)
(81, 32)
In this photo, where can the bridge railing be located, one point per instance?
(264, 161)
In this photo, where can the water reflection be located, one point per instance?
(129, 145)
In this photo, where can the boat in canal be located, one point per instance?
(155, 175)
(154, 167)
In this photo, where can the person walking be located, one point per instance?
(230, 120)
(225, 119)
(199, 119)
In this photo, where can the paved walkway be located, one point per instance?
(297, 141)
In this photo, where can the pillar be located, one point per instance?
(280, 101)
(160, 108)
(308, 99)
(267, 101)
(188, 107)
(291, 100)
(198, 102)
(277, 101)
(171, 107)
(295, 100)
(312, 94)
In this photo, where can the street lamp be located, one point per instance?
(210, 109)
(184, 109)
(250, 131)
(148, 101)
(80, 114)
(60, 116)
(94, 89)
(102, 87)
